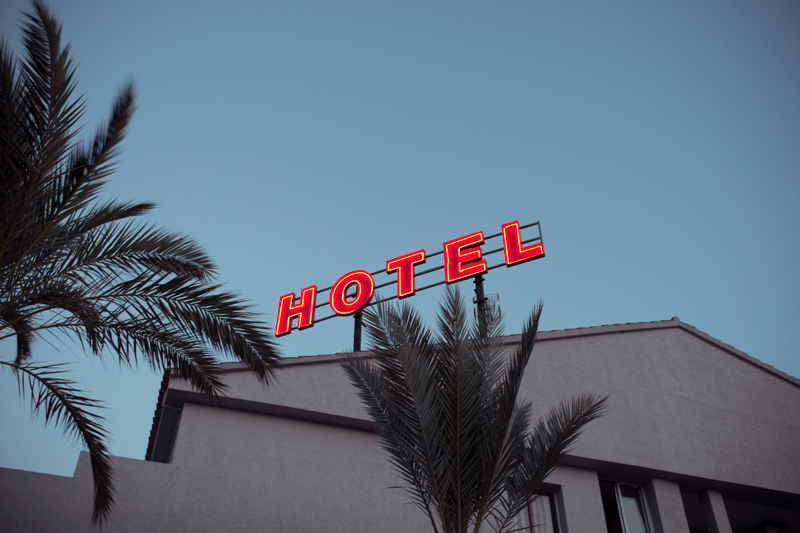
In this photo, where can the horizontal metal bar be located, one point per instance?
(318, 320)
(376, 302)
(487, 238)
(501, 249)
(382, 285)
(440, 267)
(520, 228)
(434, 269)
(432, 285)
(326, 289)
(495, 266)
(323, 304)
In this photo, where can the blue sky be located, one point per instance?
(658, 144)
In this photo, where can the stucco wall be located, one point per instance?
(281, 475)
(677, 403)
(303, 476)
(276, 475)
(33, 502)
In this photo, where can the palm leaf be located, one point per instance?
(65, 406)
(73, 265)
(447, 412)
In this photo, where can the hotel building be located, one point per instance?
(697, 437)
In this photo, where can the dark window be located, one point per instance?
(539, 516)
(623, 506)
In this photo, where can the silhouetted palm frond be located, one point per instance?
(65, 406)
(447, 411)
(73, 265)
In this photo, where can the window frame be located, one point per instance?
(618, 500)
(552, 495)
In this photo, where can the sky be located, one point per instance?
(657, 143)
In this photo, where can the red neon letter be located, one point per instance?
(404, 265)
(512, 246)
(460, 263)
(304, 311)
(365, 286)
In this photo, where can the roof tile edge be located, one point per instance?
(607, 329)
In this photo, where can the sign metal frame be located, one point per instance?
(465, 253)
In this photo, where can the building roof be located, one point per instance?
(543, 336)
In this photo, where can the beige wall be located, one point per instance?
(676, 403)
(275, 475)
(680, 405)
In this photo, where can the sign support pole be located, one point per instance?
(357, 332)
(481, 301)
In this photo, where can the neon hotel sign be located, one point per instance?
(463, 258)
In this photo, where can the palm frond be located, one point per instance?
(548, 443)
(447, 412)
(399, 399)
(73, 265)
(88, 168)
(66, 407)
(48, 75)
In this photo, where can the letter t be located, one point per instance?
(404, 265)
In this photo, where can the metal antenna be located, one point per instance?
(481, 301)
(357, 332)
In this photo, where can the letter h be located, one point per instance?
(304, 311)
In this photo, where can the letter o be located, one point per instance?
(365, 286)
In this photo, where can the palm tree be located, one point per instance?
(446, 410)
(72, 264)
